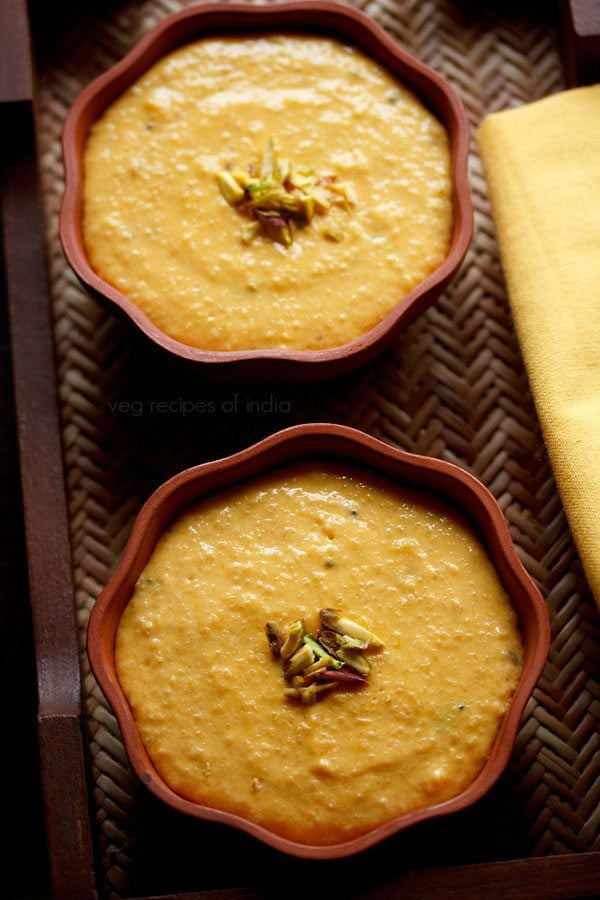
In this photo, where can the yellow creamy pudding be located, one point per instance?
(157, 226)
(206, 692)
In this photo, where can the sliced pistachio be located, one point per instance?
(231, 190)
(350, 643)
(329, 639)
(333, 620)
(272, 197)
(330, 617)
(306, 207)
(356, 660)
(320, 651)
(302, 680)
(281, 170)
(343, 677)
(304, 695)
(318, 666)
(268, 160)
(301, 659)
(274, 637)
(302, 178)
(275, 227)
(293, 640)
(321, 199)
(242, 178)
(308, 695)
(346, 191)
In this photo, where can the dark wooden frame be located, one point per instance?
(61, 739)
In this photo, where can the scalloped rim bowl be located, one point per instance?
(455, 486)
(309, 17)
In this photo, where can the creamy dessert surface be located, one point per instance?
(157, 228)
(206, 693)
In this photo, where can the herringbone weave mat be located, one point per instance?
(453, 386)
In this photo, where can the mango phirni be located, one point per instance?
(208, 695)
(374, 160)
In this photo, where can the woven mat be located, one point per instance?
(453, 387)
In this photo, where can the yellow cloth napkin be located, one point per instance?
(542, 164)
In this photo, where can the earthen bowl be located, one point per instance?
(343, 22)
(455, 487)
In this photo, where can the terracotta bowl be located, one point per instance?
(452, 485)
(313, 17)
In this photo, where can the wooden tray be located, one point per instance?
(88, 394)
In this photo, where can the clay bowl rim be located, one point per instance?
(317, 441)
(306, 16)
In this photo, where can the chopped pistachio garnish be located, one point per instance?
(282, 197)
(275, 638)
(335, 658)
(242, 178)
(229, 187)
(268, 161)
(355, 660)
(281, 170)
(321, 663)
(321, 199)
(275, 227)
(333, 619)
(346, 191)
(343, 676)
(308, 695)
(320, 651)
(301, 660)
(350, 643)
(293, 639)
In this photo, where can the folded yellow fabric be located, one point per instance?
(542, 164)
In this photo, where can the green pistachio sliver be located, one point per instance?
(350, 643)
(281, 170)
(273, 198)
(321, 199)
(320, 651)
(298, 681)
(346, 191)
(256, 184)
(306, 207)
(293, 640)
(268, 160)
(275, 227)
(242, 178)
(306, 695)
(309, 695)
(301, 659)
(330, 640)
(301, 179)
(356, 660)
(335, 621)
(231, 190)
(274, 637)
(317, 666)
